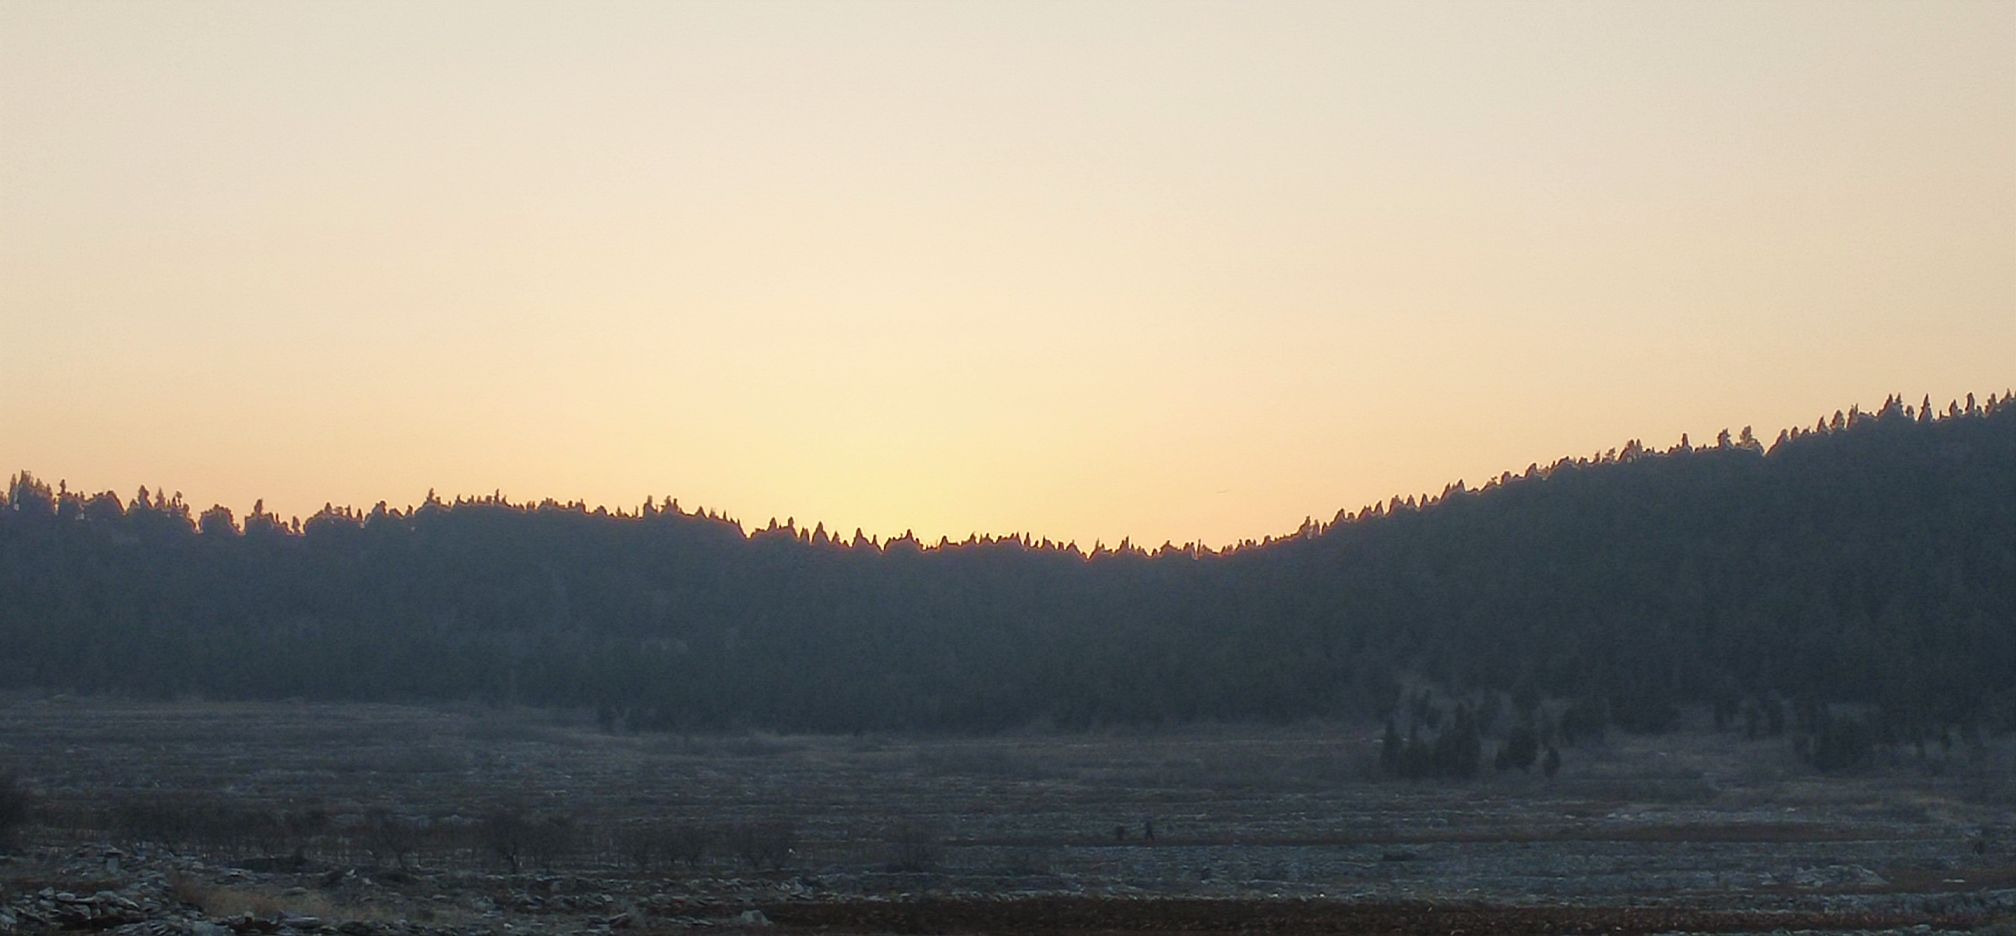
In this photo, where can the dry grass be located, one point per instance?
(219, 900)
(231, 900)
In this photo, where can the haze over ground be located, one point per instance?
(1090, 271)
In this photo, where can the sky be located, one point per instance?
(1160, 270)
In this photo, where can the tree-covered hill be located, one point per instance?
(1871, 559)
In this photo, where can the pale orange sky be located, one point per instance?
(1160, 270)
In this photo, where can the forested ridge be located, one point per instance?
(1868, 560)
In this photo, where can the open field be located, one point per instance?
(396, 819)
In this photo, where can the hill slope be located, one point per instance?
(1870, 560)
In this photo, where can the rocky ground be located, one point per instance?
(206, 819)
(106, 889)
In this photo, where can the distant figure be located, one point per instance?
(1148, 828)
(1119, 833)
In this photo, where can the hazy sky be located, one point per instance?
(1174, 271)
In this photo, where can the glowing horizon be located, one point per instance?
(809, 526)
(1089, 272)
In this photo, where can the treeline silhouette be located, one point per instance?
(1868, 562)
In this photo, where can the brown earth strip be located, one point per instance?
(1110, 917)
(1722, 833)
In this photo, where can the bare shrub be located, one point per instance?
(212, 826)
(764, 845)
(390, 836)
(283, 836)
(161, 820)
(306, 825)
(647, 845)
(518, 838)
(504, 834)
(686, 844)
(184, 822)
(640, 844)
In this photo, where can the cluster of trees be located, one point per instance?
(1449, 743)
(1869, 560)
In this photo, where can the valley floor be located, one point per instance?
(362, 819)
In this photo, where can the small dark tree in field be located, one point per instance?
(1807, 715)
(1390, 749)
(1725, 708)
(1426, 712)
(1455, 752)
(765, 845)
(1839, 743)
(1489, 712)
(1417, 760)
(15, 806)
(1459, 750)
(1520, 750)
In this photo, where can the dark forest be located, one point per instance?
(1867, 563)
